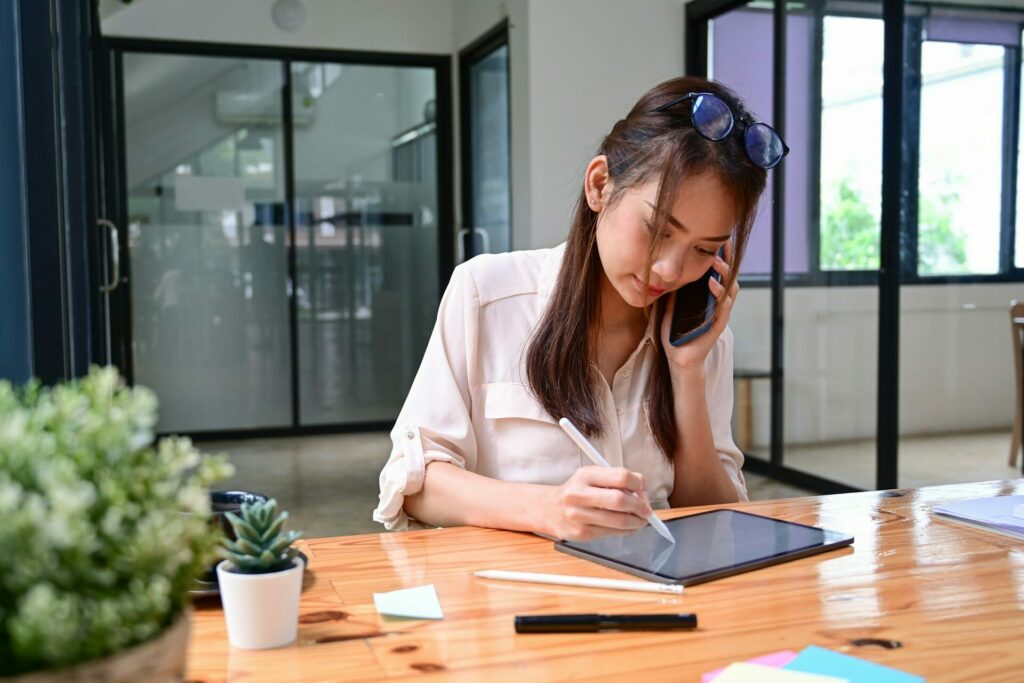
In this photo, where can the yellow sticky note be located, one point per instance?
(741, 672)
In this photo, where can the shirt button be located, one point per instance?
(410, 434)
(618, 411)
(626, 372)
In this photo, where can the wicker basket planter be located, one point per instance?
(160, 660)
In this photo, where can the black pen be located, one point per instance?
(590, 623)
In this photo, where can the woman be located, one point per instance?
(579, 331)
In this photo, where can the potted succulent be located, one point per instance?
(102, 533)
(260, 578)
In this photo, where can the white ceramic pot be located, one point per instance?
(261, 610)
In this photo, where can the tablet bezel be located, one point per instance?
(832, 540)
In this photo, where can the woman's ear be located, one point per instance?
(597, 184)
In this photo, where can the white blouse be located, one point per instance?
(470, 404)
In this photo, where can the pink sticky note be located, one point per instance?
(776, 660)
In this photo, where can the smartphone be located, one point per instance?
(694, 309)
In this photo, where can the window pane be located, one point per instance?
(851, 143)
(960, 168)
(739, 42)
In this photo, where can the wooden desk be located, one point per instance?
(951, 595)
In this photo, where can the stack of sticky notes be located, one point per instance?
(812, 665)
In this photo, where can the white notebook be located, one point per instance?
(990, 514)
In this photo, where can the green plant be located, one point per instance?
(260, 547)
(97, 553)
(849, 230)
(941, 246)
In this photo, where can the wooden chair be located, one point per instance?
(1017, 329)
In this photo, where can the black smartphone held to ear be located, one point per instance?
(694, 308)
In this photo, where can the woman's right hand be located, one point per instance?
(597, 501)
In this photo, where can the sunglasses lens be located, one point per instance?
(764, 146)
(711, 117)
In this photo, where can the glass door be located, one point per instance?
(288, 233)
(486, 196)
(367, 235)
(207, 253)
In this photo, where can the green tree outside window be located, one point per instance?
(850, 230)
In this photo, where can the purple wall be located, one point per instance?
(742, 59)
(948, 26)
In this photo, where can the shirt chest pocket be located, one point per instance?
(522, 441)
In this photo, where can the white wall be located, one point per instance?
(590, 60)
(956, 359)
(417, 26)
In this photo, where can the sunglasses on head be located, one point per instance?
(713, 119)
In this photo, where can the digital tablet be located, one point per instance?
(709, 545)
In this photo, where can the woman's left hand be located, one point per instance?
(690, 356)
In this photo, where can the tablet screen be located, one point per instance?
(708, 545)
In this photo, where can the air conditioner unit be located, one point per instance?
(247, 108)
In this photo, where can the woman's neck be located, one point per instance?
(618, 317)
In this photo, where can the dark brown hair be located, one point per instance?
(644, 146)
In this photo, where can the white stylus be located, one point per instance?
(588, 449)
(586, 581)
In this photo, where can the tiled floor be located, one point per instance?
(329, 483)
(923, 461)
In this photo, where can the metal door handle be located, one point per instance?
(485, 238)
(115, 252)
(460, 245)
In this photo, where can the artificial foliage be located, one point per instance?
(101, 532)
(260, 545)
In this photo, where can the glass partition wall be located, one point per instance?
(288, 231)
(832, 317)
(956, 361)
(874, 376)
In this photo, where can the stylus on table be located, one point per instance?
(589, 623)
(585, 581)
(588, 449)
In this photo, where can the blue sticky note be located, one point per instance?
(412, 603)
(818, 660)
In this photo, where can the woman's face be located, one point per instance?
(701, 222)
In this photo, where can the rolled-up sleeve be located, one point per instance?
(435, 422)
(720, 403)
